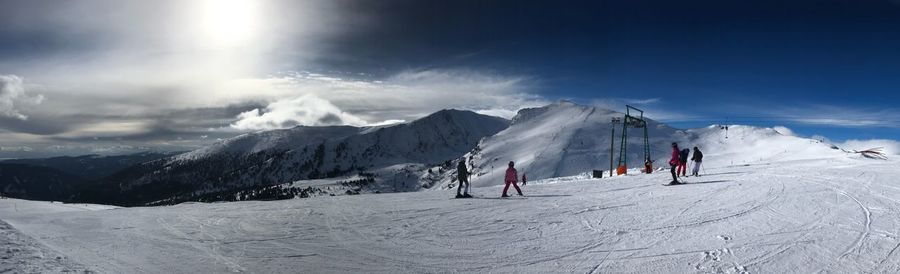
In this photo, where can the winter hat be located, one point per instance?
(511, 163)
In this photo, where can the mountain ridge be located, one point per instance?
(566, 139)
(284, 156)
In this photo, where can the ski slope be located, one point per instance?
(566, 139)
(20, 253)
(562, 139)
(837, 214)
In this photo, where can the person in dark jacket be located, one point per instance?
(682, 162)
(674, 163)
(698, 159)
(462, 175)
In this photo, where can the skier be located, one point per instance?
(462, 175)
(524, 179)
(682, 162)
(512, 177)
(698, 159)
(674, 163)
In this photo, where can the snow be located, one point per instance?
(20, 253)
(566, 139)
(561, 139)
(769, 201)
(742, 145)
(816, 212)
(402, 153)
(557, 140)
(267, 140)
(890, 147)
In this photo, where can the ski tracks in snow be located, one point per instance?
(210, 250)
(769, 219)
(866, 223)
(866, 230)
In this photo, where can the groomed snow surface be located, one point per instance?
(20, 253)
(836, 214)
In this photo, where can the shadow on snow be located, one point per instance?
(704, 182)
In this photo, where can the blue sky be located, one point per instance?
(759, 62)
(108, 76)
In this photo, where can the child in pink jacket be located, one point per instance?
(512, 177)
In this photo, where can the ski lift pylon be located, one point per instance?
(635, 122)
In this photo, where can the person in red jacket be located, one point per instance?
(674, 163)
(512, 177)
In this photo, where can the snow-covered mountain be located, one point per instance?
(564, 139)
(557, 140)
(769, 202)
(561, 139)
(301, 153)
(743, 145)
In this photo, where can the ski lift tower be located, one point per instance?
(612, 143)
(634, 122)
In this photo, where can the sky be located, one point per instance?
(104, 76)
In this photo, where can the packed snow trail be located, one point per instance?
(835, 214)
(20, 253)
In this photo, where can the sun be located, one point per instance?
(230, 23)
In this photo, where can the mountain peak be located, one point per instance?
(527, 114)
(456, 116)
(302, 153)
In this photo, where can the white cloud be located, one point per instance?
(142, 115)
(13, 97)
(821, 115)
(649, 101)
(307, 110)
(146, 61)
(482, 92)
(405, 96)
(140, 57)
(652, 107)
(504, 113)
(387, 123)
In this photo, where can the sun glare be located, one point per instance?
(230, 23)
